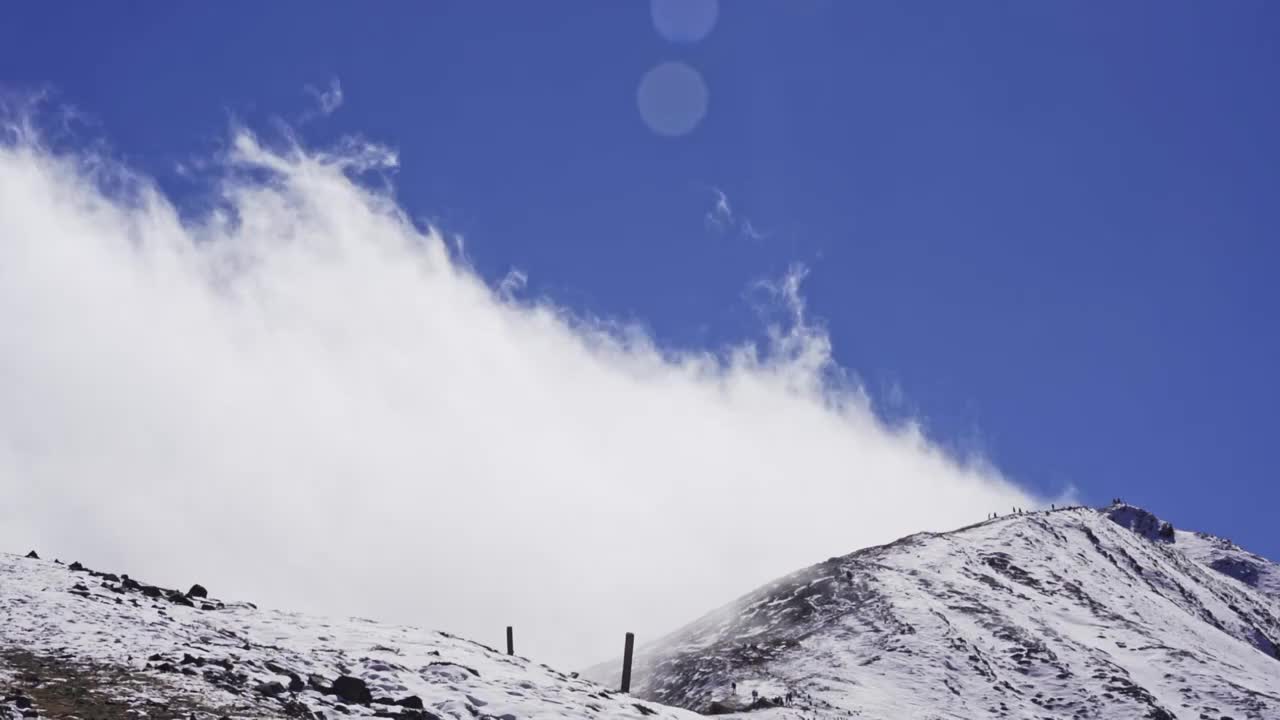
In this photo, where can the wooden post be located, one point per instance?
(626, 662)
(511, 643)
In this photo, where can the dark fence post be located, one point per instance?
(511, 643)
(626, 662)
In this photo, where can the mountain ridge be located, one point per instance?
(1052, 613)
(79, 643)
(1068, 613)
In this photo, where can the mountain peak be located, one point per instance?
(1072, 612)
(1140, 521)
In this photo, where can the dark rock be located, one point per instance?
(413, 701)
(129, 583)
(22, 701)
(352, 690)
(270, 689)
(197, 591)
(1238, 568)
(151, 591)
(75, 566)
(316, 682)
(32, 555)
(275, 668)
(296, 709)
(178, 598)
(1141, 522)
(110, 577)
(156, 658)
(296, 684)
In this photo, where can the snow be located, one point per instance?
(1075, 613)
(1072, 613)
(101, 628)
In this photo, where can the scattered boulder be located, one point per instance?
(296, 709)
(32, 555)
(270, 689)
(352, 690)
(151, 591)
(75, 566)
(316, 682)
(413, 701)
(178, 598)
(197, 591)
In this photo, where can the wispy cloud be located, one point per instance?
(513, 282)
(721, 219)
(305, 399)
(720, 216)
(750, 232)
(327, 100)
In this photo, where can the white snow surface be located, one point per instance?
(44, 612)
(1074, 613)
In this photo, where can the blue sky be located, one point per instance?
(1046, 230)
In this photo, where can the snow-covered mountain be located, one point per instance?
(75, 643)
(1074, 613)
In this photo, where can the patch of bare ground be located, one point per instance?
(62, 687)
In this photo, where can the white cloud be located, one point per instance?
(721, 219)
(327, 101)
(720, 216)
(305, 400)
(513, 282)
(750, 232)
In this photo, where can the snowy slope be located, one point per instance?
(1076, 613)
(75, 643)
